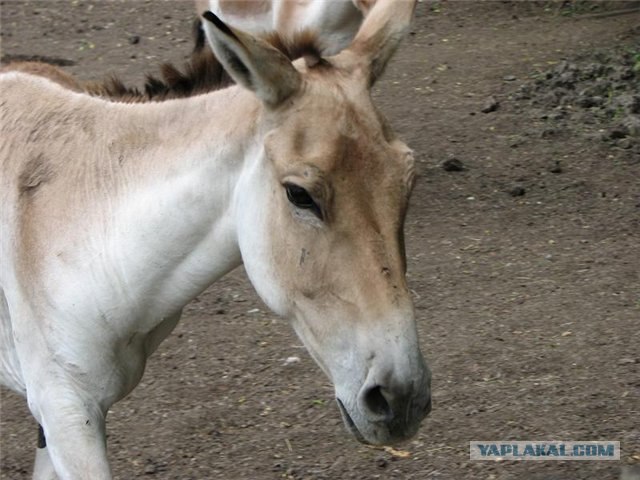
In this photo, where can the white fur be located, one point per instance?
(334, 21)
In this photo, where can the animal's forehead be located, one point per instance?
(334, 132)
(333, 147)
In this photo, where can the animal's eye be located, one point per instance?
(299, 197)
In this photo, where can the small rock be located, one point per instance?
(594, 70)
(490, 105)
(453, 165)
(588, 102)
(586, 116)
(624, 143)
(565, 80)
(381, 462)
(556, 167)
(627, 361)
(291, 360)
(516, 141)
(548, 133)
(632, 124)
(509, 78)
(517, 191)
(631, 103)
(134, 39)
(555, 116)
(564, 67)
(625, 74)
(618, 132)
(150, 469)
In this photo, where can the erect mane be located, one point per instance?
(203, 72)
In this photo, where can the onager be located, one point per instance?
(114, 216)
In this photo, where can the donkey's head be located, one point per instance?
(320, 213)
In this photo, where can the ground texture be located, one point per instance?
(523, 244)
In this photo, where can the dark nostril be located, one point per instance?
(377, 403)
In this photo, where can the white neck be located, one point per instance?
(166, 227)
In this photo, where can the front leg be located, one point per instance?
(43, 467)
(74, 429)
(73, 374)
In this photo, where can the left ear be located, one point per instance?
(251, 62)
(384, 26)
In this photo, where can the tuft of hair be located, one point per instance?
(303, 44)
(201, 74)
(204, 73)
(113, 88)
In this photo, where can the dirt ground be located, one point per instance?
(524, 265)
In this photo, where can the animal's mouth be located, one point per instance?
(351, 426)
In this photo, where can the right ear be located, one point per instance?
(252, 62)
(384, 26)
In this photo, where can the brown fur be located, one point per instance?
(45, 70)
(202, 73)
(37, 171)
(60, 62)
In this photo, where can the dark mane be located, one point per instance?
(202, 73)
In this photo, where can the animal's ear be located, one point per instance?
(384, 26)
(252, 62)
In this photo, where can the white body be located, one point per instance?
(335, 22)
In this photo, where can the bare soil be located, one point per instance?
(524, 257)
